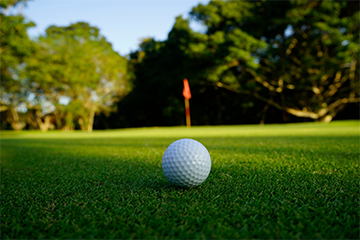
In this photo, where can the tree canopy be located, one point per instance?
(255, 61)
(61, 79)
(78, 65)
(299, 57)
(15, 47)
(296, 58)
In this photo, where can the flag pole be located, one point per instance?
(187, 111)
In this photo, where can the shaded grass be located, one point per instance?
(277, 181)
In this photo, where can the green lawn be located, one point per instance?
(273, 181)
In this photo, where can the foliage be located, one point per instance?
(270, 182)
(77, 64)
(291, 59)
(74, 64)
(6, 5)
(15, 47)
(158, 71)
(255, 61)
(308, 66)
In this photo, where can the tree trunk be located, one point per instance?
(86, 122)
(91, 121)
(263, 114)
(29, 119)
(82, 124)
(58, 120)
(328, 118)
(69, 123)
(14, 120)
(44, 126)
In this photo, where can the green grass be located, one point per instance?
(275, 181)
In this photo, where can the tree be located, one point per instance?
(299, 57)
(15, 48)
(76, 64)
(158, 71)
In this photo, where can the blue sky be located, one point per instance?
(123, 22)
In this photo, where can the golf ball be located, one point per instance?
(186, 163)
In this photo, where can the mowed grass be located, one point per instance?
(293, 181)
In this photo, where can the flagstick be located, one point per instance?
(187, 111)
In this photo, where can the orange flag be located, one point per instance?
(186, 91)
(187, 96)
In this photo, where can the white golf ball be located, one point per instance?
(186, 163)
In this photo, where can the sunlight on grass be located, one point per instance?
(273, 181)
(348, 128)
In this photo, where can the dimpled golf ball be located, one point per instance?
(186, 163)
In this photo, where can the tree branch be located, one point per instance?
(3, 108)
(296, 112)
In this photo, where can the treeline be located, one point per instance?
(255, 62)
